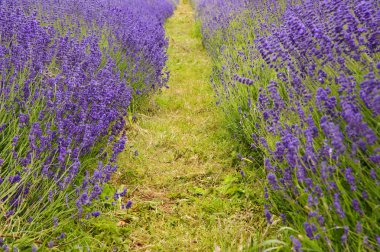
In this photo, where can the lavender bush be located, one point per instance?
(69, 71)
(300, 83)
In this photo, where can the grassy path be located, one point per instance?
(182, 182)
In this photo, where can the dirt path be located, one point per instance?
(182, 182)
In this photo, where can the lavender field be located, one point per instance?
(299, 82)
(204, 125)
(70, 71)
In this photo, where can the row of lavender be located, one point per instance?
(300, 83)
(69, 71)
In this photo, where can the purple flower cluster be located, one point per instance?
(312, 107)
(68, 72)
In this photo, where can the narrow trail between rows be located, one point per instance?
(180, 178)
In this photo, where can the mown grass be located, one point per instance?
(186, 185)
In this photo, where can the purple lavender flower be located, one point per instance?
(296, 244)
(350, 178)
(129, 204)
(242, 173)
(359, 227)
(243, 80)
(2, 127)
(50, 244)
(118, 147)
(5, 248)
(283, 218)
(321, 220)
(333, 131)
(372, 173)
(50, 196)
(310, 229)
(61, 236)
(356, 206)
(34, 248)
(266, 195)
(345, 235)
(14, 179)
(273, 180)
(96, 214)
(15, 140)
(366, 242)
(268, 215)
(123, 193)
(9, 213)
(23, 119)
(338, 207)
(365, 195)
